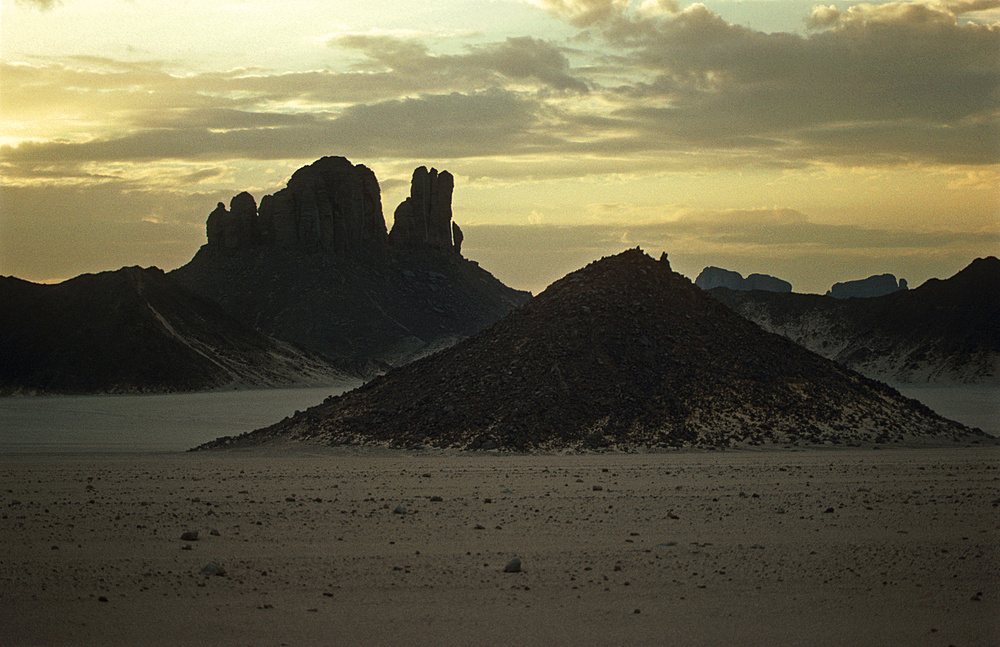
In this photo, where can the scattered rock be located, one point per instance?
(399, 510)
(212, 568)
(189, 535)
(513, 566)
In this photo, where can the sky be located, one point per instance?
(814, 142)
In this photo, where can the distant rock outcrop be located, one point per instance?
(423, 220)
(874, 286)
(941, 332)
(136, 331)
(314, 266)
(716, 277)
(622, 353)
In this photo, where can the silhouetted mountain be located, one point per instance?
(873, 286)
(942, 331)
(315, 266)
(623, 352)
(134, 330)
(716, 277)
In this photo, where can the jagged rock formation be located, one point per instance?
(716, 277)
(331, 205)
(423, 220)
(941, 332)
(873, 286)
(315, 267)
(621, 353)
(133, 331)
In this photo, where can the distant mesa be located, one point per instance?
(622, 353)
(716, 277)
(874, 286)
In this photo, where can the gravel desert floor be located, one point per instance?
(305, 545)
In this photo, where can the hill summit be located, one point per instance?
(623, 352)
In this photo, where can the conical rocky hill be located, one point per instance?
(624, 352)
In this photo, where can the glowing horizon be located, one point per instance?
(814, 143)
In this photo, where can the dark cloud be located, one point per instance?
(523, 58)
(870, 73)
(657, 88)
(453, 126)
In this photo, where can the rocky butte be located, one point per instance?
(314, 265)
(874, 286)
(716, 277)
(622, 353)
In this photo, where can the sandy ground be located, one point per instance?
(816, 547)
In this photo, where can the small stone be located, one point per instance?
(399, 510)
(828, 511)
(212, 568)
(436, 498)
(597, 488)
(513, 566)
(102, 599)
(480, 526)
(214, 532)
(189, 535)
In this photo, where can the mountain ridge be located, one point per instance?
(133, 330)
(944, 331)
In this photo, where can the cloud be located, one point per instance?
(520, 58)
(657, 88)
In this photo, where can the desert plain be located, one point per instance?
(308, 545)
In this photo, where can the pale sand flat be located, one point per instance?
(689, 548)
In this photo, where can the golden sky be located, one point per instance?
(817, 143)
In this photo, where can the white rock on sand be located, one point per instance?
(816, 547)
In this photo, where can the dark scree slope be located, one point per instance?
(623, 352)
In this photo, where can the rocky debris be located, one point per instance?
(873, 286)
(513, 566)
(423, 220)
(189, 535)
(944, 331)
(645, 358)
(716, 277)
